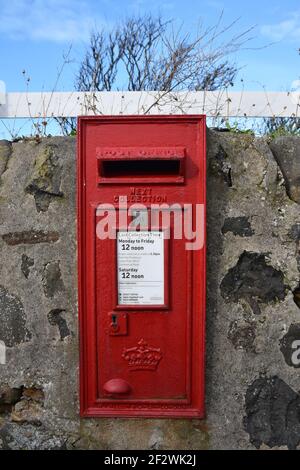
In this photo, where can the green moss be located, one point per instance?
(282, 131)
(236, 129)
(43, 164)
(187, 434)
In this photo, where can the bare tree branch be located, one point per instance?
(147, 53)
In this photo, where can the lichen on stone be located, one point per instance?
(45, 180)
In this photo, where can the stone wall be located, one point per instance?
(253, 317)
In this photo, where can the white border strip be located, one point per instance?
(212, 103)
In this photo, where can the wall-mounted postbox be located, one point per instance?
(141, 240)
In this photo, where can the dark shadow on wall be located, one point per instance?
(219, 184)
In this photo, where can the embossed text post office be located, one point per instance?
(141, 244)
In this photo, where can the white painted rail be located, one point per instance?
(213, 104)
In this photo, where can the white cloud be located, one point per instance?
(287, 29)
(50, 20)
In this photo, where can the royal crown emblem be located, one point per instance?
(142, 357)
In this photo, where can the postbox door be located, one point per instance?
(145, 345)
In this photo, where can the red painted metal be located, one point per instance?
(160, 352)
(117, 154)
(118, 324)
(116, 387)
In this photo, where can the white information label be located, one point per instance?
(140, 268)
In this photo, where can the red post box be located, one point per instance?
(141, 243)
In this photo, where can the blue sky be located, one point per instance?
(35, 34)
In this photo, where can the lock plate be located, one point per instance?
(117, 324)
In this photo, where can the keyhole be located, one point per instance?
(114, 321)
